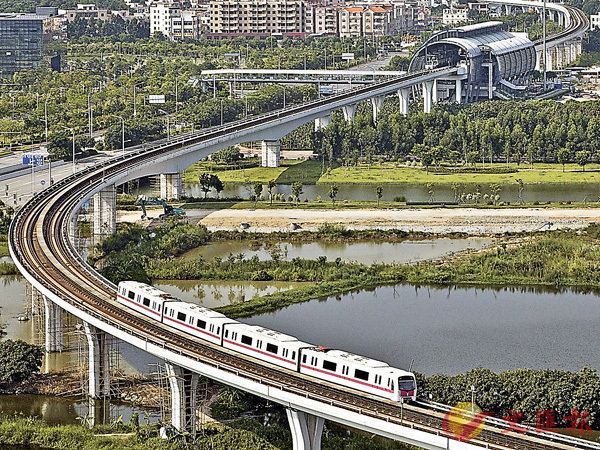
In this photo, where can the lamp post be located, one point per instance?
(472, 399)
(162, 111)
(122, 131)
(72, 130)
(221, 112)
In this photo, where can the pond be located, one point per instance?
(419, 192)
(365, 252)
(63, 411)
(452, 330)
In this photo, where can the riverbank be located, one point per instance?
(310, 172)
(471, 221)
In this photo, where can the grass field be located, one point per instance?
(309, 172)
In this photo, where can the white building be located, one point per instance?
(175, 22)
(595, 22)
(455, 16)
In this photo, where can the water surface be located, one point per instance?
(452, 330)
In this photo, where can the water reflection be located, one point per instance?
(451, 329)
(369, 252)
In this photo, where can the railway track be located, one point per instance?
(39, 242)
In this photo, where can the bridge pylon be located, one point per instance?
(270, 153)
(53, 327)
(105, 211)
(98, 345)
(183, 384)
(306, 430)
(171, 186)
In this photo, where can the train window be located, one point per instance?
(159, 307)
(201, 324)
(361, 374)
(181, 316)
(131, 295)
(146, 301)
(246, 340)
(153, 305)
(304, 359)
(226, 333)
(328, 365)
(218, 330)
(293, 355)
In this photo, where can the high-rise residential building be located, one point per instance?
(595, 22)
(321, 19)
(256, 17)
(369, 20)
(175, 21)
(21, 42)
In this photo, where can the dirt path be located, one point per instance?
(467, 220)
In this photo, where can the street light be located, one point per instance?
(221, 112)
(122, 131)
(72, 130)
(472, 399)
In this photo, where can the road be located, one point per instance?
(17, 187)
(432, 220)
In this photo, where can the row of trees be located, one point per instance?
(509, 131)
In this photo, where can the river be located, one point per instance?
(452, 330)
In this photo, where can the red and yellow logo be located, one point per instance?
(464, 421)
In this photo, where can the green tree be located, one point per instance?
(258, 188)
(379, 192)
(563, 156)
(583, 158)
(216, 184)
(521, 189)
(296, 191)
(333, 192)
(229, 155)
(270, 187)
(206, 183)
(18, 361)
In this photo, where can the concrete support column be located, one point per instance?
(171, 187)
(538, 60)
(404, 97)
(434, 93)
(183, 385)
(306, 430)
(270, 153)
(377, 103)
(427, 96)
(549, 61)
(458, 92)
(322, 122)
(53, 336)
(98, 343)
(349, 112)
(105, 211)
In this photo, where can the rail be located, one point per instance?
(40, 246)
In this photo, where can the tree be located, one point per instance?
(205, 180)
(296, 191)
(333, 192)
(582, 157)
(495, 190)
(563, 156)
(228, 155)
(18, 361)
(258, 188)
(521, 189)
(217, 184)
(379, 191)
(272, 185)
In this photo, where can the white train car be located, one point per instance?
(357, 372)
(264, 344)
(144, 299)
(201, 322)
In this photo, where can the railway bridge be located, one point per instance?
(41, 245)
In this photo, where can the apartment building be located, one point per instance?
(455, 16)
(321, 19)
(371, 20)
(87, 11)
(256, 17)
(175, 21)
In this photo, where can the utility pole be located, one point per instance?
(176, 94)
(90, 118)
(122, 132)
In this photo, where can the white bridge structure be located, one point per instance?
(41, 242)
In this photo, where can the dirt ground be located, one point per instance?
(437, 220)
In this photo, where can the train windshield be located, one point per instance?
(406, 383)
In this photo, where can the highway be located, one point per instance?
(41, 248)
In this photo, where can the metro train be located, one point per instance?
(334, 366)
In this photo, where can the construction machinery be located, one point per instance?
(168, 210)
